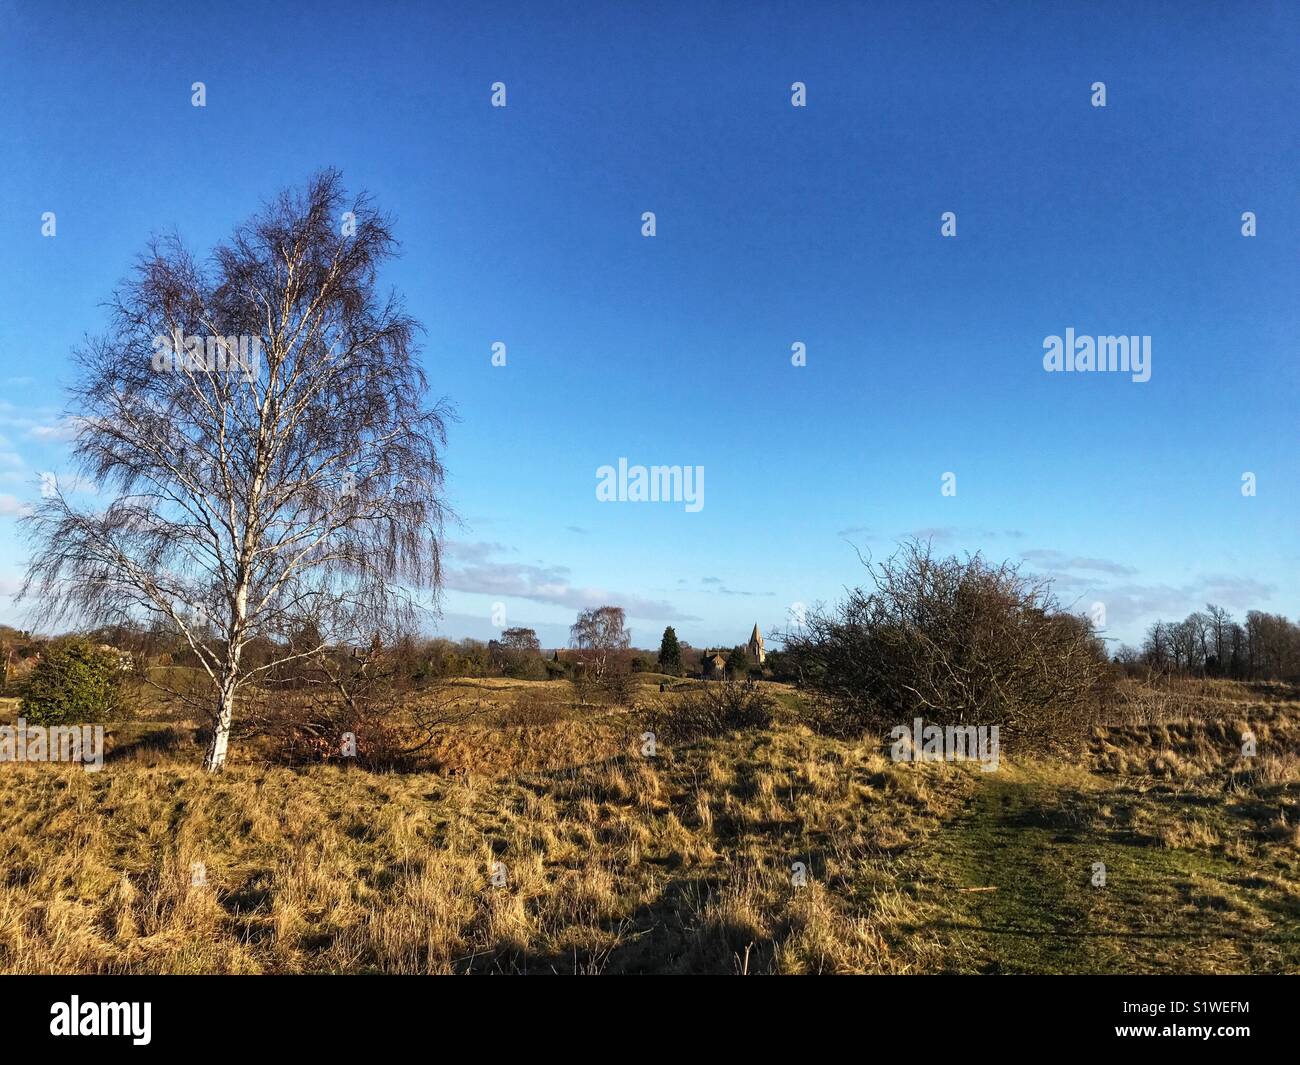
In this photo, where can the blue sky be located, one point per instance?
(775, 224)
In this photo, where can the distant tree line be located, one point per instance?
(1210, 643)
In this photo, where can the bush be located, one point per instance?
(618, 685)
(298, 728)
(522, 666)
(953, 641)
(391, 731)
(532, 707)
(645, 663)
(713, 709)
(75, 683)
(782, 667)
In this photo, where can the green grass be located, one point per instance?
(1220, 896)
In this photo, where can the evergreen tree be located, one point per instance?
(74, 683)
(670, 653)
(738, 662)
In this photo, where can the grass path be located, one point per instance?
(1219, 899)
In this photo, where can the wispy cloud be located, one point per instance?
(39, 423)
(1131, 603)
(719, 586)
(477, 572)
(472, 551)
(1058, 560)
(62, 429)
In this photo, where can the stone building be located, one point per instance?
(714, 666)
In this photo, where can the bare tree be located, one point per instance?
(263, 426)
(1188, 642)
(1157, 648)
(1220, 626)
(600, 634)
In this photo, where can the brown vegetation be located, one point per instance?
(551, 844)
(953, 641)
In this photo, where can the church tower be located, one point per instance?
(755, 647)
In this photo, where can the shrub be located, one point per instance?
(618, 685)
(713, 709)
(954, 641)
(390, 732)
(297, 728)
(532, 707)
(75, 683)
(525, 667)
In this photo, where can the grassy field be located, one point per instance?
(562, 849)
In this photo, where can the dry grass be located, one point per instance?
(612, 863)
(563, 850)
(1196, 729)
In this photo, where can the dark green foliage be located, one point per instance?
(74, 683)
(670, 653)
(737, 662)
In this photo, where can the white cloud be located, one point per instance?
(12, 506)
(541, 584)
(1058, 560)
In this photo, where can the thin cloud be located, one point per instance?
(1058, 560)
(941, 535)
(63, 429)
(718, 585)
(39, 424)
(472, 551)
(12, 507)
(543, 584)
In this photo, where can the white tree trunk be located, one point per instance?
(216, 756)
